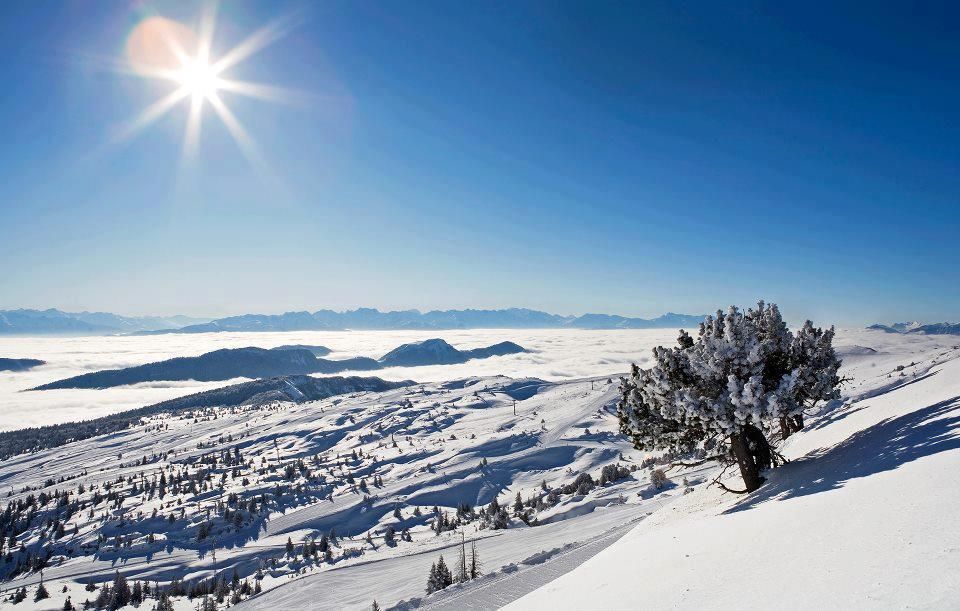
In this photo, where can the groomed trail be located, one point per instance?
(499, 589)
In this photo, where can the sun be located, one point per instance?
(170, 51)
(198, 78)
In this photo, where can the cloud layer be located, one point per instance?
(555, 355)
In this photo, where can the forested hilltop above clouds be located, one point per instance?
(253, 362)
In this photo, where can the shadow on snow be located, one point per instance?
(882, 447)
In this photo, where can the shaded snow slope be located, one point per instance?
(864, 515)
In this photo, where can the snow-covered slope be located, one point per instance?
(865, 515)
(847, 520)
(356, 463)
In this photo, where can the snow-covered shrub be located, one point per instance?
(744, 377)
(612, 473)
(583, 484)
(658, 478)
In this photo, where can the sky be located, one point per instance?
(619, 157)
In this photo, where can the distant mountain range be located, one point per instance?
(231, 363)
(939, 328)
(36, 322)
(31, 322)
(367, 318)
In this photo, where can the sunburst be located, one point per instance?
(165, 50)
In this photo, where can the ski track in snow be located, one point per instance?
(495, 591)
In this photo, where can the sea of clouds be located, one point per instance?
(554, 355)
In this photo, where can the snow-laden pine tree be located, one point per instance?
(743, 377)
(817, 365)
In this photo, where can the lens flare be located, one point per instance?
(170, 51)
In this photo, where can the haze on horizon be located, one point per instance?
(627, 158)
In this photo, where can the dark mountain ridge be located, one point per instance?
(19, 364)
(228, 363)
(439, 352)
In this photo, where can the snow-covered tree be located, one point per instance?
(817, 365)
(658, 478)
(744, 376)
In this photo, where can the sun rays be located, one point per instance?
(168, 51)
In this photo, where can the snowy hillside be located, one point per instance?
(155, 501)
(864, 515)
(339, 502)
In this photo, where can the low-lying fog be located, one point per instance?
(555, 355)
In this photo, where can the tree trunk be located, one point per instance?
(785, 427)
(748, 467)
(758, 447)
(798, 422)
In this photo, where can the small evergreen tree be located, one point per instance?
(474, 566)
(136, 594)
(103, 597)
(41, 593)
(163, 603)
(120, 592)
(444, 576)
(463, 574)
(432, 584)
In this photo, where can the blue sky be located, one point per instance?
(574, 157)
